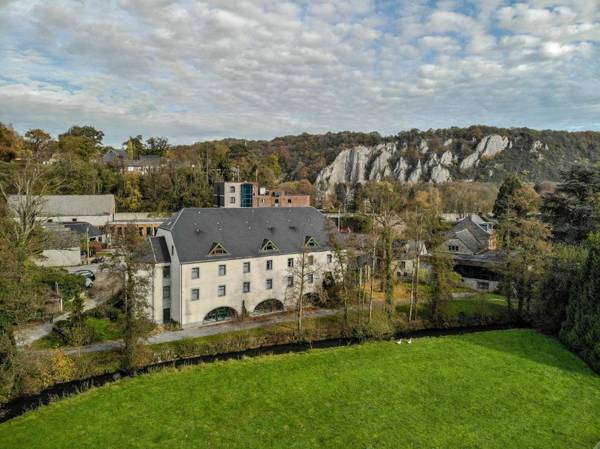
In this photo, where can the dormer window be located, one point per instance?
(269, 245)
(311, 242)
(217, 250)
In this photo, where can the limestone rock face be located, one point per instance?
(348, 168)
(488, 148)
(440, 174)
(415, 159)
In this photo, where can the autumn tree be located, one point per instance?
(131, 266)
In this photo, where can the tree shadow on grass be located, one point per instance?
(533, 346)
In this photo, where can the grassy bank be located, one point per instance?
(504, 389)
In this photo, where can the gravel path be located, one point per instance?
(199, 330)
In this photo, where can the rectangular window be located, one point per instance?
(246, 287)
(290, 281)
(222, 270)
(195, 273)
(231, 189)
(195, 294)
(402, 264)
(453, 248)
(232, 200)
(291, 262)
(246, 267)
(269, 265)
(311, 260)
(221, 290)
(311, 278)
(269, 284)
(167, 292)
(329, 258)
(166, 272)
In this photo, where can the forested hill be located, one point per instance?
(479, 153)
(302, 163)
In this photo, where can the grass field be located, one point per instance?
(505, 389)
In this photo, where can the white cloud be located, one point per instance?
(259, 68)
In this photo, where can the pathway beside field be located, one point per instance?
(200, 330)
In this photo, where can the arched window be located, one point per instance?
(220, 314)
(268, 306)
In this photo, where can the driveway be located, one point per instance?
(203, 330)
(104, 287)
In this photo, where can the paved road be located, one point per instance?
(27, 335)
(200, 330)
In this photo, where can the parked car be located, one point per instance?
(98, 259)
(86, 273)
(88, 282)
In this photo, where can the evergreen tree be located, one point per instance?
(511, 184)
(581, 329)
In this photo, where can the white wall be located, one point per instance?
(96, 220)
(209, 280)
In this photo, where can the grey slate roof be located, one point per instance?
(242, 231)
(114, 155)
(160, 251)
(74, 205)
(81, 227)
(469, 231)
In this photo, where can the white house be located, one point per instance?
(212, 264)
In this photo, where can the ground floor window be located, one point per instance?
(269, 306)
(220, 314)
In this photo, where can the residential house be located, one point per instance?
(406, 252)
(212, 264)
(472, 244)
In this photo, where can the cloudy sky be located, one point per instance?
(194, 70)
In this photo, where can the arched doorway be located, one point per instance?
(220, 314)
(268, 306)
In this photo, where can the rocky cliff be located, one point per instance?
(475, 153)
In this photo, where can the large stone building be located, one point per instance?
(212, 264)
(249, 194)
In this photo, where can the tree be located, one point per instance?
(131, 266)
(38, 142)
(441, 280)
(557, 281)
(503, 203)
(581, 329)
(573, 210)
(157, 145)
(20, 297)
(386, 202)
(29, 187)
(135, 147)
(10, 143)
(300, 276)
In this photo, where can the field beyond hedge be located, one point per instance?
(504, 389)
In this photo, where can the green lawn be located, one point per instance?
(495, 390)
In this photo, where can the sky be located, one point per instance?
(198, 70)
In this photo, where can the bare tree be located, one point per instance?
(26, 205)
(301, 277)
(386, 203)
(131, 263)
